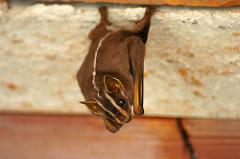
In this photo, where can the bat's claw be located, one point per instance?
(103, 10)
(150, 10)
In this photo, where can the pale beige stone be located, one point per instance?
(192, 66)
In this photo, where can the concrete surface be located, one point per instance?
(192, 66)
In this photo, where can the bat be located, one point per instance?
(111, 76)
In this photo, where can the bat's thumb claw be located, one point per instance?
(138, 110)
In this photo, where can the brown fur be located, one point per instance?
(121, 56)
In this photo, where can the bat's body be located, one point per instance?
(111, 76)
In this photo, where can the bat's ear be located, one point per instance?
(112, 84)
(93, 107)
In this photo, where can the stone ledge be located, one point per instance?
(191, 67)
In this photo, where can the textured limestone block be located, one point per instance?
(3, 10)
(192, 65)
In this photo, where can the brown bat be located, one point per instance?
(111, 76)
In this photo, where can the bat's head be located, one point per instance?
(113, 106)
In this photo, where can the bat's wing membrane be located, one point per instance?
(136, 50)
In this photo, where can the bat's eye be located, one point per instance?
(121, 102)
(109, 115)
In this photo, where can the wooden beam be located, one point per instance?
(214, 138)
(48, 136)
(75, 137)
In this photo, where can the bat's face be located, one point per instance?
(113, 105)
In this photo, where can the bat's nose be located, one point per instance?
(122, 117)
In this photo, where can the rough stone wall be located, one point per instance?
(192, 65)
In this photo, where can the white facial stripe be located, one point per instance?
(123, 112)
(123, 94)
(128, 101)
(112, 101)
(95, 64)
(100, 104)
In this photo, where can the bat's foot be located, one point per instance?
(150, 11)
(101, 28)
(142, 26)
(148, 14)
(103, 10)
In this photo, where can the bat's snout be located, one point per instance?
(122, 117)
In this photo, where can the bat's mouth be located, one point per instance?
(112, 125)
(122, 117)
(116, 121)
